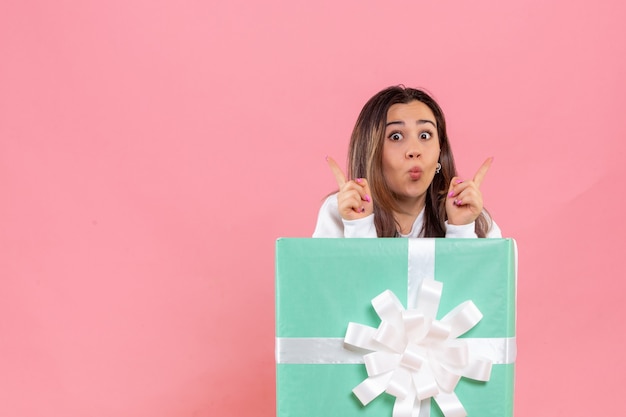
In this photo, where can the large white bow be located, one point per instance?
(414, 356)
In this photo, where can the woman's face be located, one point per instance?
(410, 150)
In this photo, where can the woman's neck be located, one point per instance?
(408, 212)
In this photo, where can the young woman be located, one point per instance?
(402, 181)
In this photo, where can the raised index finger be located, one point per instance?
(337, 172)
(482, 171)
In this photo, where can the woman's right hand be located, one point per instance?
(354, 197)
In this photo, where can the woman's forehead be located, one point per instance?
(412, 111)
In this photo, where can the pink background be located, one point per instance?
(152, 151)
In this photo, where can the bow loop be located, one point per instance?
(377, 363)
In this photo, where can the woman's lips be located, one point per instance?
(415, 173)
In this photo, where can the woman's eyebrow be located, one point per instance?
(419, 122)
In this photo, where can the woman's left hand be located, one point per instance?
(464, 202)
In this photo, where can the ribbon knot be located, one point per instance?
(414, 356)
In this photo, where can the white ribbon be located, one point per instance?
(331, 350)
(415, 357)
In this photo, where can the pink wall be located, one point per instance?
(152, 151)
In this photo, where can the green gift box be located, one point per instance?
(324, 284)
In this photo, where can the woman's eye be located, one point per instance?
(425, 135)
(395, 136)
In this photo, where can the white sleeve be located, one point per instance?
(494, 231)
(330, 223)
(460, 230)
(467, 230)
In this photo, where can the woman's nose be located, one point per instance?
(413, 152)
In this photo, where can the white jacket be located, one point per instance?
(330, 224)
